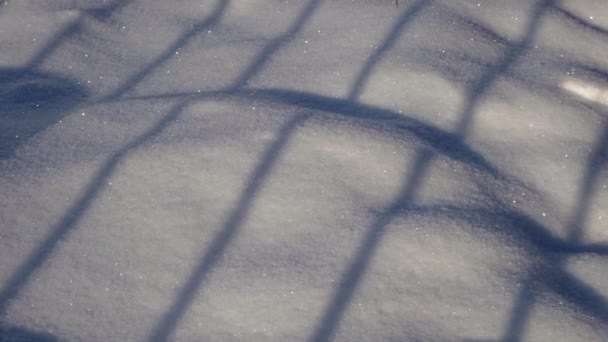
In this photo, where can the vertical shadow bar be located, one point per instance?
(521, 311)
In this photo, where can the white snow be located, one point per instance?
(303, 170)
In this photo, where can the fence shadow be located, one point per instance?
(66, 95)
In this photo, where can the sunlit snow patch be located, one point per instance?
(588, 91)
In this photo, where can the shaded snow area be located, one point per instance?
(348, 170)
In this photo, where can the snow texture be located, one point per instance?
(348, 170)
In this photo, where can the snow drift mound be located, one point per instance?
(320, 170)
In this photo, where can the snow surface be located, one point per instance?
(278, 170)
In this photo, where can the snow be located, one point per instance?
(303, 170)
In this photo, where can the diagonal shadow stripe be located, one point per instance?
(131, 82)
(70, 30)
(389, 42)
(54, 43)
(581, 22)
(274, 45)
(73, 216)
(228, 232)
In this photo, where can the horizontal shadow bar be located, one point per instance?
(444, 142)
